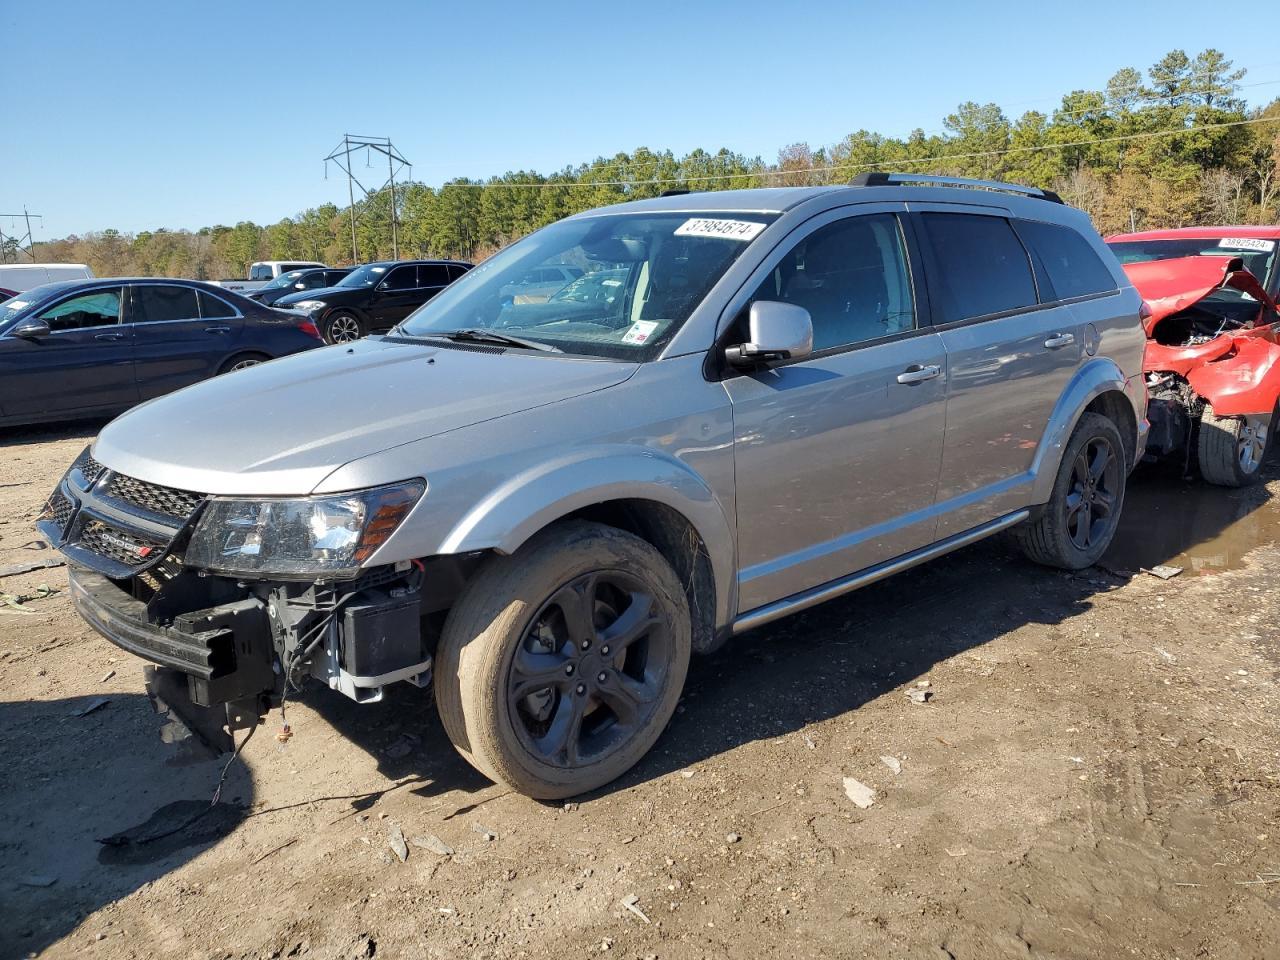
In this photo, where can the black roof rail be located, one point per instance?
(880, 178)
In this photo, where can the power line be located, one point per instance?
(701, 178)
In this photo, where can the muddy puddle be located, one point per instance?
(1190, 524)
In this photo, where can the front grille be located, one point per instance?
(166, 501)
(122, 546)
(89, 468)
(59, 509)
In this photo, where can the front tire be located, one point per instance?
(1230, 450)
(343, 327)
(1074, 529)
(560, 665)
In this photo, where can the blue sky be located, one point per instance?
(144, 114)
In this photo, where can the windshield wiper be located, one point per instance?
(492, 336)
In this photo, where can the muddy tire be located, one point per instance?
(1230, 450)
(561, 664)
(1073, 530)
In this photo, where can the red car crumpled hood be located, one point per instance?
(1171, 286)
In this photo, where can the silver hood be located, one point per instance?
(282, 427)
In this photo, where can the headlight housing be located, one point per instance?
(308, 306)
(303, 538)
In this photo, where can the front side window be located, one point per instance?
(982, 267)
(1074, 269)
(667, 262)
(402, 278)
(260, 271)
(100, 308)
(852, 277)
(156, 303)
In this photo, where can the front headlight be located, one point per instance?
(309, 306)
(329, 536)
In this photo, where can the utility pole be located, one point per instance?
(27, 238)
(341, 155)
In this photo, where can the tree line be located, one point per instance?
(1172, 147)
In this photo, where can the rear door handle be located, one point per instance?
(108, 336)
(1060, 340)
(217, 329)
(918, 374)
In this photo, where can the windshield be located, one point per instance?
(365, 276)
(1259, 257)
(643, 275)
(285, 280)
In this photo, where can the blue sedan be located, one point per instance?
(88, 348)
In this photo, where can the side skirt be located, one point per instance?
(835, 588)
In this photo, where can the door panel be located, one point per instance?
(1009, 359)
(174, 346)
(85, 364)
(837, 465)
(397, 296)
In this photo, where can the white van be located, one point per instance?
(19, 277)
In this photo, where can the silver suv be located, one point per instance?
(543, 508)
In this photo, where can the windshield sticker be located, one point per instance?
(640, 332)
(743, 230)
(1246, 243)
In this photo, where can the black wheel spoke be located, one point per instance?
(577, 605)
(536, 671)
(625, 696)
(1099, 461)
(637, 620)
(1103, 502)
(561, 739)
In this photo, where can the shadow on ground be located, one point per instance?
(74, 777)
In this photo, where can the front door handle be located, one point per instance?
(108, 336)
(1060, 340)
(217, 329)
(918, 374)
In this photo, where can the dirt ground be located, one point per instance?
(1096, 775)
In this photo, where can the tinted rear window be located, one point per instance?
(214, 308)
(1074, 269)
(433, 275)
(982, 267)
(156, 304)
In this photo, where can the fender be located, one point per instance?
(1098, 376)
(1245, 382)
(510, 514)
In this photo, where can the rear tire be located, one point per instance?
(242, 361)
(560, 665)
(1074, 529)
(343, 327)
(1230, 450)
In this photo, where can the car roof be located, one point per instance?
(755, 200)
(1201, 233)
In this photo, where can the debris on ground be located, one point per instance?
(861, 795)
(919, 694)
(395, 840)
(95, 704)
(1165, 655)
(632, 903)
(893, 763)
(484, 831)
(434, 844)
(14, 569)
(1163, 571)
(107, 676)
(402, 746)
(733, 838)
(13, 602)
(809, 742)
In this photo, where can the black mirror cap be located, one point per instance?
(31, 329)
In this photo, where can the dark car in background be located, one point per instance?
(374, 297)
(298, 281)
(96, 347)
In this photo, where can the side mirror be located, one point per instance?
(778, 331)
(31, 329)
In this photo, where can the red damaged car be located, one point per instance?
(1212, 360)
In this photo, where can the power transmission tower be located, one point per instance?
(14, 242)
(354, 146)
